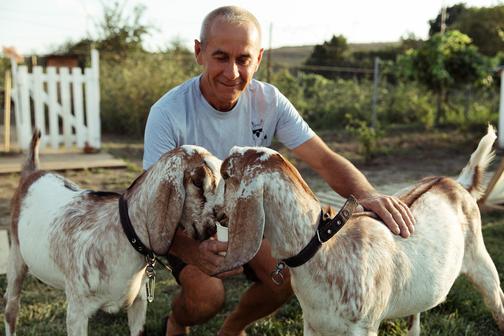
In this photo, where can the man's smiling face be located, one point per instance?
(230, 56)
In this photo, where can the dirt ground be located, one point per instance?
(403, 157)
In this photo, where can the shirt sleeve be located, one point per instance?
(291, 129)
(159, 136)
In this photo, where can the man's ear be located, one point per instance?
(198, 51)
(259, 58)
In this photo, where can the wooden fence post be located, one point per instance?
(66, 107)
(95, 87)
(78, 101)
(7, 110)
(38, 103)
(23, 118)
(52, 92)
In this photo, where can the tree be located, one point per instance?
(446, 61)
(117, 34)
(331, 53)
(453, 13)
(484, 26)
(120, 34)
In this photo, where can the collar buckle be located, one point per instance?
(277, 276)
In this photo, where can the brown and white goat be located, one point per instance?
(72, 238)
(364, 274)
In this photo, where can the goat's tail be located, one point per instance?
(471, 176)
(32, 161)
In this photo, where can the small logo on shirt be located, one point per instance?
(257, 132)
(257, 128)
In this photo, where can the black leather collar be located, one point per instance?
(129, 231)
(326, 229)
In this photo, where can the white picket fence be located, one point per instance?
(64, 105)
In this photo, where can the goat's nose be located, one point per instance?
(220, 216)
(223, 219)
(211, 230)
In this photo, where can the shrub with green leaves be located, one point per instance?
(130, 86)
(367, 136)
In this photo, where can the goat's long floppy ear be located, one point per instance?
(165, 214)
(246, 228)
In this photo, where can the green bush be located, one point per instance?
(130, 86)
(325, 103)
(367, 136)
(406, 103)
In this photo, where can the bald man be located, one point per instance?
(225, 107)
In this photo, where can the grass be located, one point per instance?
(463, 313)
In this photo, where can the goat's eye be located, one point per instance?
(225, 175)
(198, 183)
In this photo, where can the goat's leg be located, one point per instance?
(414, 325)
(480, 269)
(136, 313)
(307, 330)
(16, 272)
(78, 313)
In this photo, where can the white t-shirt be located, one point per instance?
(184, 117)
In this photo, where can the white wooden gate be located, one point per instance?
(64, 105)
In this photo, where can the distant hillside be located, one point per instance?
(295, 56)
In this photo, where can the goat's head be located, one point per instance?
(240, 201)
(257, 183)
(179, 189)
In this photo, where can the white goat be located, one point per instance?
(72, 238)
(363, 274)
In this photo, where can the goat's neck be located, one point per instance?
(291, 216)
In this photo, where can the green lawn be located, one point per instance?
(463, 313)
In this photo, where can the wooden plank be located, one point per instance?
(63, 162)
(95, 102)
(38, 103)
(66, 106)
(89, 94)
(78, 103)
(23, 119)
(53, 107)
(92, 88)
(494, 193)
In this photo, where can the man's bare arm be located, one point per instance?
(346, 179)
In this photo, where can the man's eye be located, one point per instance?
(244, 61)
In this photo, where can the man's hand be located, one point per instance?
(208, 260)
(396, 215)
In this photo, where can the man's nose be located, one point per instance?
(232, 71)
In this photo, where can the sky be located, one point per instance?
(35, 26)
